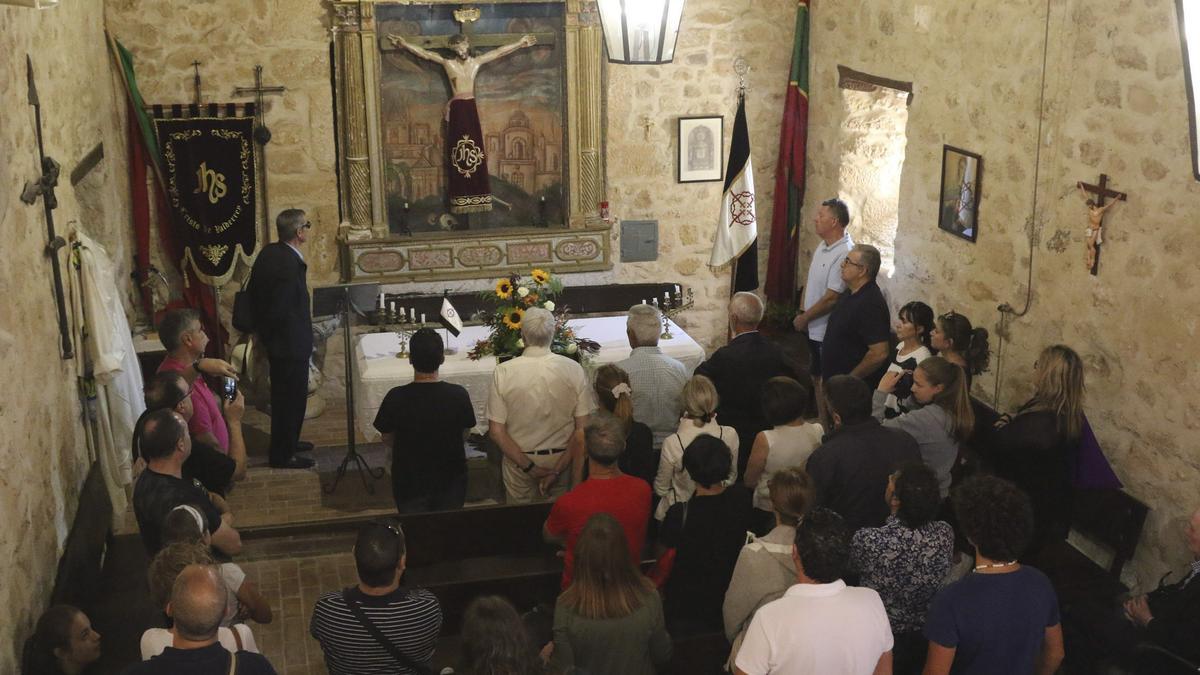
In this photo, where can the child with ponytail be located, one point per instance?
(955, 340)
(943, 421)
(615, 395)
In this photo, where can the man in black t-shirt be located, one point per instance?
(165, 445)
(856, 338)
(197, 606)
(215, 469)
(425, 423)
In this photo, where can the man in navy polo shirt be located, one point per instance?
(856, 338)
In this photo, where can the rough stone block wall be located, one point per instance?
(1114, 103)
(42, 446)
(290, 40)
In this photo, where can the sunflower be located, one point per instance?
(531, 299)
(512, 317)
(504, 289)
(540, 276)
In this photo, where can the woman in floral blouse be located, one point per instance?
(907, 559)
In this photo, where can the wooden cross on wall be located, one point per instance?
(1102, 192)
(466, 17)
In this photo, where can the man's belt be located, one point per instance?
(549, 451)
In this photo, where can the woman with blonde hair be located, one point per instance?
(614, 393)
(765, 568)
(944, 420)
(610, 619)
(672, 482)
(1037, 447)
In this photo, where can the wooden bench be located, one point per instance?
(1111, 518)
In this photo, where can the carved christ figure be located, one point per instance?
(469, 188)
(1095, 234)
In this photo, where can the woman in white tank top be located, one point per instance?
(787, 444)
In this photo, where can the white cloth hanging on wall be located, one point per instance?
(105, 344)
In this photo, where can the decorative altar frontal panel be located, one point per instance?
(474, 255)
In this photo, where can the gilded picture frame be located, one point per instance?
(362, 195)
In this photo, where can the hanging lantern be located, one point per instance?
(640, 31)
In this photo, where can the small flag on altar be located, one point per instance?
(449, 317)
(737, 228)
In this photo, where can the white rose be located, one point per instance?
(548, 305)
(572, 348)
(520, 343)
(522, 291)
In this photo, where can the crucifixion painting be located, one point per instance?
(469, 187)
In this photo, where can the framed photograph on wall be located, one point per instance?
(958, 200)
(701, 148)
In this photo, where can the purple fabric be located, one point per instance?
(1092, 470)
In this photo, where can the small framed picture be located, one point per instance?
(701, 149)
(958, 201)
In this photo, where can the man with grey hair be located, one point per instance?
(656, 379)
(283, 323)
(197, 607)
(740, 369)
(537, 407)
(606, 490)
(856, 339)
(824, 285)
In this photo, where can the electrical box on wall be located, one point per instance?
(639, 240)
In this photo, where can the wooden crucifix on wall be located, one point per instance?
(1096, 209)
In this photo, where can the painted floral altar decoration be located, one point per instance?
(512, 296)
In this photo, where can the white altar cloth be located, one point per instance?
(377, 370)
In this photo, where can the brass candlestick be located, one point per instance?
(671, 307)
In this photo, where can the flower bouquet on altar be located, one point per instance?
(513, 295)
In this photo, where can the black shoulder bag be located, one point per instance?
(400, 656)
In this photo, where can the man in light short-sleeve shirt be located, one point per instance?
(825, 282)
(537, 407)
(820, 625)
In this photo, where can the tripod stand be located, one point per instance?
(352, 457)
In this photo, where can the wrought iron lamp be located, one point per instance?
(641, 31)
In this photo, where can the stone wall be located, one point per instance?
(229, 37)
(292, 40)
(1114, 103)
(45, 463)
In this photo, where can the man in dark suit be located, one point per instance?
(740, 369)
(283, 322)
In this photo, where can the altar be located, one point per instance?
(377, 370)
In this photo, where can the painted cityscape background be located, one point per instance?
(520, 101)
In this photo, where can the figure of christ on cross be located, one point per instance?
(1096, 209)
(469, 188)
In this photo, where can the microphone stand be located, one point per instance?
(352, 455)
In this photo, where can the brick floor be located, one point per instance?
(292, 586)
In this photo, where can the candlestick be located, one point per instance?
(422, 317)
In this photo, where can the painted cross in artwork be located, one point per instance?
(518, 93)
